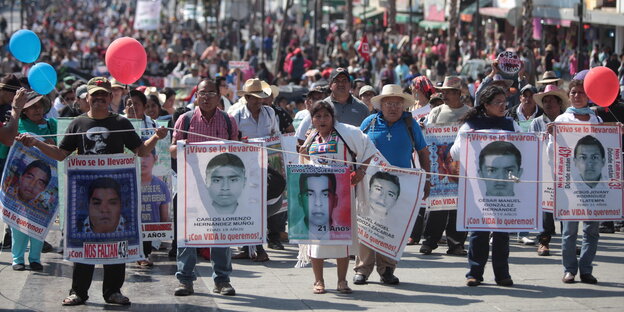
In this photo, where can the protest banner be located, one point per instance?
(319, 211)
(548, 189)
(289, 145)
(509, 62)
(388, 209)
(422, 112)
(29, 191)
(103, 217)
(147, 15)
(243, 65)
(221, 194)
(276, 162)
(61, 127)
(584, 153)
(440, 138)
(488, 204)
(157, 192)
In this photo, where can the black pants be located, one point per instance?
(437, 222)
(549, 228)
(275, 225)
(417, 231)
(114, 276)
(147, 248)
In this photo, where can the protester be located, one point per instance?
(206, 123)
(351, 145)
(99, 98)
(490, 115)
(366, 94)
(389, 130)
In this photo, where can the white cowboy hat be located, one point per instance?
(390, 90)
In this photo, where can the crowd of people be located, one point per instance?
(358, 107)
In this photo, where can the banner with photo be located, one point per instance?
(485, 202)
(276, 162)
(103, 218)
(583, 155)
(29, 191)
(387, 211)
(157, 192)
(147, 15)
(61, 127)
(439, 140)
(221, 194)
(289, 145)
(548, 189)
(319, 211)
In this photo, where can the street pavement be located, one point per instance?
(428, 283)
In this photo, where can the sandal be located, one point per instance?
(319, 287)
(118, 298)
(73, 300)
(343, 288)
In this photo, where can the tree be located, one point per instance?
(392, 12)
(453, 24)
(527, 39)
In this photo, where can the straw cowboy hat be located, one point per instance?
(254, 88)
(392, 90)
(451, 83)
(154, 91)
(549, 77)
(552, 90)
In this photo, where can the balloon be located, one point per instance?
(126, 60)
(25, 46)
(581, 75)
(601, 85)
(42, 78)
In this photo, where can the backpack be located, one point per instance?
(187, 122)
(408, 122)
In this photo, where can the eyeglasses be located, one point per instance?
(500, 103)
(207, 94)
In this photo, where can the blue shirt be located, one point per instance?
(394, 142)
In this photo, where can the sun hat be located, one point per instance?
(254, 88)
(33, 98)
(392, 90)
(549, 77)
(451, 83)
(367, 88)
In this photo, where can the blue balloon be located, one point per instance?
(42, 78)
(25, 46)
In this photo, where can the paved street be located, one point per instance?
(428, 283)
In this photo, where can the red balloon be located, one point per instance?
(126, 60)
(601, 85)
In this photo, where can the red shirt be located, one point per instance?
(215, 127)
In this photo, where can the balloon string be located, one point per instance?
(404, 170)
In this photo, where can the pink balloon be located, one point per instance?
(126, 60)
(601, 85)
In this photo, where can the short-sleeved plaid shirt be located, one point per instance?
(215, 127)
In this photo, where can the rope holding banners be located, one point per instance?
(511, 178)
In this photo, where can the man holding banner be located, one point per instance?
(205, 123)
(389, 129)
(120, 133)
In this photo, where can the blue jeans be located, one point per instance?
(588, 249)
(479, 250)
(220, 258)
(19, 244)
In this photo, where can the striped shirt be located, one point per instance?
(216, 127)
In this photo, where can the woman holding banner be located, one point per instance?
(488, 115)
(335, 143)
(578, 112)
(32, 120)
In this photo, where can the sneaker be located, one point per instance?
(19, 267)
(568, 278)
(47, 247)
(505, 282)
(359, 279)
(526, 241)
(389, 278)
(185, 289)
(588, 279)
(224, 288)
(425, 250)
(36, 266)
(277, 245)
(543, 250)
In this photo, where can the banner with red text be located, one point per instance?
(103, 220)
(439, 140)
(29, 191)
(493, 198)
(388, 208)
(221, 194)
(548, 189)
(588, 172)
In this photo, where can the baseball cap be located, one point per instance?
(98, 84)
(339, 71)
(81, 92)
